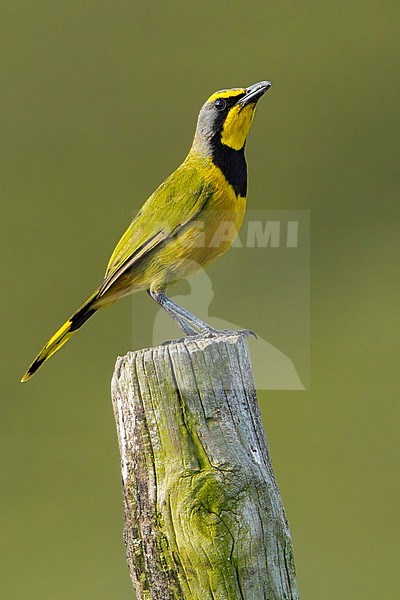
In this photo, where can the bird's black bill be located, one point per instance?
(254, 92)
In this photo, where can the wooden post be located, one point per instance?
(204, 518)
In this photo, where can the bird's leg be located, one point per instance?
(195, 322)
(188, 322)
(169, 306)
(203, 327)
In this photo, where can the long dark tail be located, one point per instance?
(63, 334)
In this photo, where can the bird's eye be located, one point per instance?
(220, 104)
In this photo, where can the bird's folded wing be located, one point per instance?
(172, 207)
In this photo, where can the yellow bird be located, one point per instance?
(191, 219)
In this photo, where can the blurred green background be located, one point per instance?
(98, 105)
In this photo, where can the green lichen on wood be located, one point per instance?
(203, 516)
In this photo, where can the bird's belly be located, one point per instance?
(197, 244)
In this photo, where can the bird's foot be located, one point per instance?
(209, 331)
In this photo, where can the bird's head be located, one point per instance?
(227, 116)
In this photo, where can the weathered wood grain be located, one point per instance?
(204, 518)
